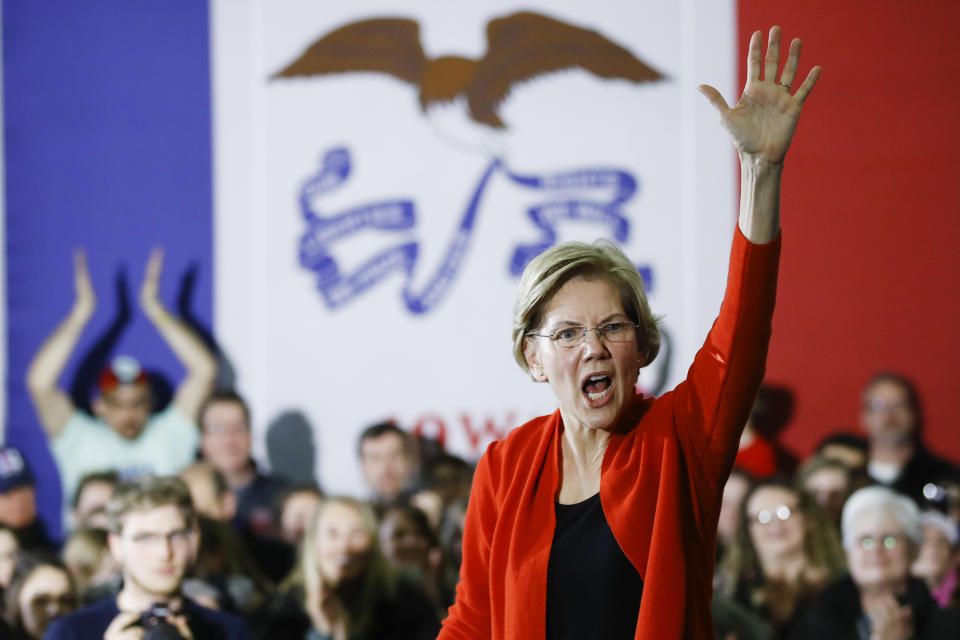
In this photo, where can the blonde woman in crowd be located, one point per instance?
(344, 587)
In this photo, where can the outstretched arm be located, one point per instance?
(761, 126)
(53, 405)
(200, 365)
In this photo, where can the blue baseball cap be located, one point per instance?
(14, 471)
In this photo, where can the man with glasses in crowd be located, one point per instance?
(154, 539)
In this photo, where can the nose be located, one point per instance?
(593, 341)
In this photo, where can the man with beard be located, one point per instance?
(154, 539)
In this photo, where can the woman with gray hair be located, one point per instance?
(599, 521)
(879, 600)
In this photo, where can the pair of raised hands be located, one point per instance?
(85, 300)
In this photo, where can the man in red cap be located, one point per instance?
(123, 435)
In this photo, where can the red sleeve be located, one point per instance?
(713, 403)
(470, 616)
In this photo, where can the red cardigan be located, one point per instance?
(660, 485)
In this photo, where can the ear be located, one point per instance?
(99, 407)
(116, 547)
(532, 356)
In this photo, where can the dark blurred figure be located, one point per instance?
(240, 564)
(42, 590)
(410, 544)
(785, 553)
(296, 508)
(759, 453)
(731, 508)
(9, 554)
(225, 443)
(879, 599)
(18, 503)
(87, 557)
(90, 501)
(829, 483)
(891, 416)
(938, 558)
(848, 449)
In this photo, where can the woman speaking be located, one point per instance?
(599, 520)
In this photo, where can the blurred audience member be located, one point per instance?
(731, 507)
(90, 500)
(448, 476)
(18, 503)
(890, 415)
(389, 462)
(879, 599)
(785, 553)
(225, 443)
(848, 449)
(41, 591)
(829, 482)
(252, 558)
(757, 454)
(297, 508)
(154, 539)
(87, 557)
(227, 566)
(9, 554)
(451, 541)
(939, 555)
(409, 544)
(346, 589)
(124, 435)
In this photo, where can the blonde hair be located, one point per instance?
(553, 268)
(378, 581)
(148, 492)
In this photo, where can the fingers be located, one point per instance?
(753, 57)
(80, 261)
(807, 85)
(120, 629)
(772, 62)
(715, 99)
(155, 264)
(790, 67)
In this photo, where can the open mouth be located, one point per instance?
(596, 387)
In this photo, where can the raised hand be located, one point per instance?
(150, 290)
(85, 301)
(762, 123)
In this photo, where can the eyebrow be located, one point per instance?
(605, 320)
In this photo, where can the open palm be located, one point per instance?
(762, 123)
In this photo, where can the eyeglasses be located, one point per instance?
(568, 337)
(781, 513)
(174, 538)
(878, 405)
(868, 543)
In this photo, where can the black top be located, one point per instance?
(592, 589)
(93, 620)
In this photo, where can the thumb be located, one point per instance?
(715, 98)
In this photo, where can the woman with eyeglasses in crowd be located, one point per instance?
(879, 600)
(785, 552)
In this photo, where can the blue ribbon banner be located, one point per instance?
(603, 192)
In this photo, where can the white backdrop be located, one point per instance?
(347, 362)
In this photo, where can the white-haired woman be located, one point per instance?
(879, 600)
(600, 519)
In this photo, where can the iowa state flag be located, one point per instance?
(347, 194)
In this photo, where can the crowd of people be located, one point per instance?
(839, 546)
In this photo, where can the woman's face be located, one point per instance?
(593, 381)
(9, 551)
(298, 509)
(934, 557)
(45, 595)
(776, 524)
(343, 544)
(401, 541)
(881, 553)
(829, 488)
